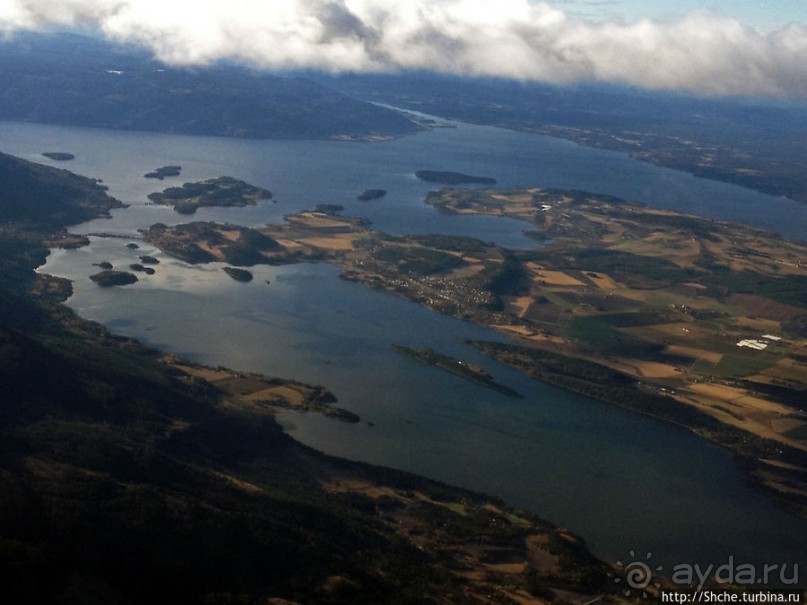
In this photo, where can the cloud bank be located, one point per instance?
(702, 53)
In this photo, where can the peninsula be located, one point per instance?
(695, 321)
(458, 367)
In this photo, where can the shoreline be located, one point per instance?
(459, 530)
(457, 367)
(180, 437)
(448, 273)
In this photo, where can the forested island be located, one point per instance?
(237, 274)
(164, 172)
(59, 156)
(109, 278)
(140, 268)
(453, 178)
(224, 191)
(371, 194)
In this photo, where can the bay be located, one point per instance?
(622, 481)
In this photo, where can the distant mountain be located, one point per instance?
(81, 81)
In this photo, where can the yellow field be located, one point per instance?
(315, 220)
(788, 370)
(528, 334)
(606, 282)
(294, 397)
(736, 407)
(336, 242)
(694, 353)
(473, 268)
(652, 369)
(559, 278)
(518, 306)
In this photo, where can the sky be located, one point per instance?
(708, 48)
(765, 15)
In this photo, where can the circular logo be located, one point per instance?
(637, 575)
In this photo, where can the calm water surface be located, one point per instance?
(623, 481)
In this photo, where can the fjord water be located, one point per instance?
(623, 481)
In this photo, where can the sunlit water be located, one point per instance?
(623, 481)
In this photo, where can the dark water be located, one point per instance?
(623, 481)
(305, 173)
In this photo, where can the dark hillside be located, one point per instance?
(33, 193)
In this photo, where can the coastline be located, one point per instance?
(482, 283)
(170, 468)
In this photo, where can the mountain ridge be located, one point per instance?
(74, 80)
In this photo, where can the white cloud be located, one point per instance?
(703, 52)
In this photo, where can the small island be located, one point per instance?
(458, 367)
(371, 194)
(149, 260)
(453, 178)
(163, 172)
(103, 265)
(329, 208)
(109, 278)
(241, 275)
(224, 191)
(58, 156)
